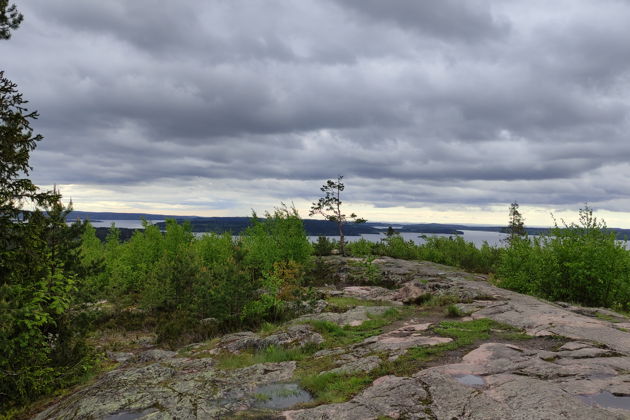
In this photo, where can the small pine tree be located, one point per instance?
(516, 225)
(329, 206)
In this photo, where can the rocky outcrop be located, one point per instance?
(297, 335)
(353, 317)
(585, 376)
(390, 396)
(177, 388)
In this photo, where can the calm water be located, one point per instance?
(128, 224)
(475, 236)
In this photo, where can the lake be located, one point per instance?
(474, 236)
(477, 237)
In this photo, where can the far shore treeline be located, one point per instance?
(237, 225)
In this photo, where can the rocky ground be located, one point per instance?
(435, 343)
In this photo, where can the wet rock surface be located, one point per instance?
(388, 396)
(178, 388)
(585, 376)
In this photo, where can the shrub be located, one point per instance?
(396, 247)
(324, 246)
(281, 237)
(360, 248)
(578, 262)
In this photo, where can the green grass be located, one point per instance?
(269, 355)
(454, 311)
(337, 336)
(463, 333)
(606, 317)
(342, 304)
(334, 387)
(268, 328)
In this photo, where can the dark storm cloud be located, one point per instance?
(417, 102)
(446, 19)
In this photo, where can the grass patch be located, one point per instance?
(268, 328)
(336, 335)
(463, 333)
(606, 317)
(334, 387)
(269, 355)
(342, 304)
(454, 311)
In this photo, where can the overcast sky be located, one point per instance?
(435, 111)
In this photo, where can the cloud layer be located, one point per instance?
(436, 105)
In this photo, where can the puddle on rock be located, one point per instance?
(280, 396)
(471, 380)
(129, 414)
(607, 400)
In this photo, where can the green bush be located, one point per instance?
(396, 247)
(174, 276)
(578, 262)
(360, 248)
(281, 237)
(442, 250)
(324, 246)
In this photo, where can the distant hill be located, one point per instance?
(236, 225)
(91, 215)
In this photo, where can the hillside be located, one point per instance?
(437, 344)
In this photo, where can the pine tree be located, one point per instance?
(38, 258)
(516, 225)
(10, 19)
(329, 206)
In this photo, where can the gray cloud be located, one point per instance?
(419, 103)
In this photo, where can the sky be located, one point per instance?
(434, 111)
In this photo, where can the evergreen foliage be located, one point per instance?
(10, 19)
(39, 262)
(516, 225)
(329, 206)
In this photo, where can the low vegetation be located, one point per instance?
(581, 262)
(331, 387)
(182, 289)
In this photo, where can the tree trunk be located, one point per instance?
(341, 239)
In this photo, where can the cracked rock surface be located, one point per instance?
(585, 376)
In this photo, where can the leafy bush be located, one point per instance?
(235, 282)
(280, 238)
(578, 262)
(396, 247)
(324, 246)
(459, 253)
(360, 248)
(442, 250)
